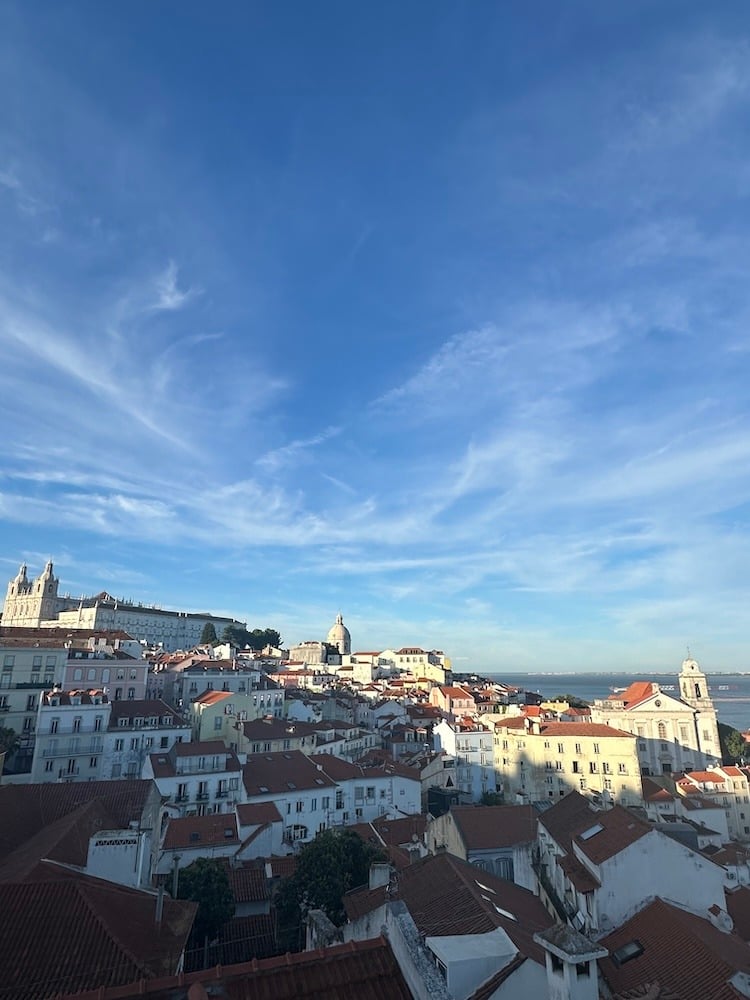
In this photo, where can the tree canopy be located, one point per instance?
(9, 741)
(733, 746)
(327, 867)
(257, 639)
(208, 635)
(571, 699)
(492, 799)
(206, 883)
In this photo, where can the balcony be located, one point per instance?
(63, 774)
(222, 793)
(202, 796)
(4, 708)
(32, 685)
(68, 750)
(181, 798)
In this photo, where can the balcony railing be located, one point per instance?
(564, 911)
(181, 798)
(222, 793)
(68, 750)
(202, 796)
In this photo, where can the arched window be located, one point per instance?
(77, 674)
(662, 731)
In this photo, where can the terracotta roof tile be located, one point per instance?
(286, 771)
(683, 952)
(484, 827)
(201, 831)
(447, 896)
(81, 933)
(366, 970)
(27, 809)
(258, 813)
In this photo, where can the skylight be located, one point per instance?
(633, 949)
(592, 831)
(506, 913)
(486, 888)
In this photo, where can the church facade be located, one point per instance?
(37, 604)
(674, 733)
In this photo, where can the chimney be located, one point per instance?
(380, 874)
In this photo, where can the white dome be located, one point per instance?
(338, 636)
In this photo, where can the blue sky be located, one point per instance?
(434, 314)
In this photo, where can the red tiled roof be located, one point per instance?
(636, 692)
(620, 829)
(447, 896)
(682, 951)
(81, 933)
(487, 827)
(211, 697)
(65, 840)
(738, 908)
(366, 970)
(27, 809)
(201, 831)
(258, 813)
(571, 815)
(206, 748)
(282, 772)
(144, 708)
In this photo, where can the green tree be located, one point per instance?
(206, 883)
(327, 867)
(257, 639)
(491, 799)
(9, 741)
(208, 635)
(733, 746)
(571, 699)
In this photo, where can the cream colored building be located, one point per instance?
(537, 760)
(728, 787)
(433, 663)
(37, 604)
(216, 715)
(675, 732)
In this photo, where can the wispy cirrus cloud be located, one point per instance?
(169, 296)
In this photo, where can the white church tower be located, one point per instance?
(28, 602)
(694, 691)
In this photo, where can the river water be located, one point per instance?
(730, 692)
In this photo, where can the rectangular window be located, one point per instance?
(77, 724)
(558, 765)
(31, 703)
(313, 805)
(576, 767)
(339, 799)
(300, 806)
(164, 742)
(134, 743)
(560, 748)
(37, 662)
(119, 745)
(93, 761)
(51, 661)
(578, 748)
(8, 661)
(622, 769)
(217, 723)
(54, 725)
(48, 765)
(596, 748)
(326, 802)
